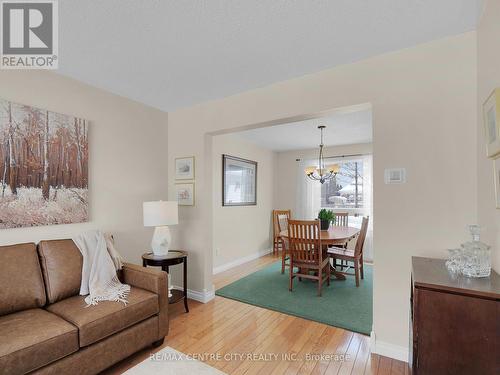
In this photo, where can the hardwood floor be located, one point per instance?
(237, 338)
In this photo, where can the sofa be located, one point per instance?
(45, 326)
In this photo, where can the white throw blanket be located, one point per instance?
(100, 263)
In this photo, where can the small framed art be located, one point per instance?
(491, 116)
(184, 168)
(185, 194)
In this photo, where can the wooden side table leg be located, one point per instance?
(185, 285)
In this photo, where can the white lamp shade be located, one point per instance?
(160, 213)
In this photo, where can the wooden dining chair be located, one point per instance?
(306, 253)
(280, 223)
(341, 219)
(355, 256)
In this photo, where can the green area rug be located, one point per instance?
(341, 305)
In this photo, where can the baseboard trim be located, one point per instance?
(240, 261)
(203, 297)
(387, 349)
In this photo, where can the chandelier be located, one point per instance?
(322, 172)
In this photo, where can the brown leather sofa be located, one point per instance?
(45, 326)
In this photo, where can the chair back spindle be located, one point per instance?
(341, 219)
(305, 241)
(280, 220)
(280, 223)
(307, 253)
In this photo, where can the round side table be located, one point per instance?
(172, 258)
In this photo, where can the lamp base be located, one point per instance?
(161, 240)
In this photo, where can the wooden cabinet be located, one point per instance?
(454, 321)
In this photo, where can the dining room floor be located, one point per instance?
(341, 303)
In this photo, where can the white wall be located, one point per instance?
(424, 115)
(242, 231)
(488, 60)
(128, 153)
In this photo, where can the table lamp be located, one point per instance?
(160, 214)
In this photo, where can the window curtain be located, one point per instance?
(368, 211)
(368, 190)
(308, 199)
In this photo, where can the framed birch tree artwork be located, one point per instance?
(43, 167)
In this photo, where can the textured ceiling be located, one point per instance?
(173, 53)
(341, 129)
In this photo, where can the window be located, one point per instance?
(338, 193)
(345, 190)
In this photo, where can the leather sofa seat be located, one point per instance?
(33, 338)
(106, 318)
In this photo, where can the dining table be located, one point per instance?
(335, 236)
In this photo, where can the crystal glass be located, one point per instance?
(454, 262)
(475, 257)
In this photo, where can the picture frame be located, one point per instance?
(496, 174)
(185, 193)
(185, 168)
(239, 181)
(491, 118)
(44, 167)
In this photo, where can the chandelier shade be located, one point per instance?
(322, 172)
(333, 168)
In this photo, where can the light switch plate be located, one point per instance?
(395, 176)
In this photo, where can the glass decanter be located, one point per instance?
(455, 261)
(476, 260)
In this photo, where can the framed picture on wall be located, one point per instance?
(239, 181)
(44, 163)
(496, 173)
(491, 117)
(185, 194)
(184, 168)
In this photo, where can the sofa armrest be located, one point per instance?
(154, 281)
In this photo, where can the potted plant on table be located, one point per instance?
(325, 217)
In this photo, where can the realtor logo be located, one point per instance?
(29, 37)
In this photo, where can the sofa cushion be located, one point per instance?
(32, 338)
(21, 283)
(62, 268)
(106, 318)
